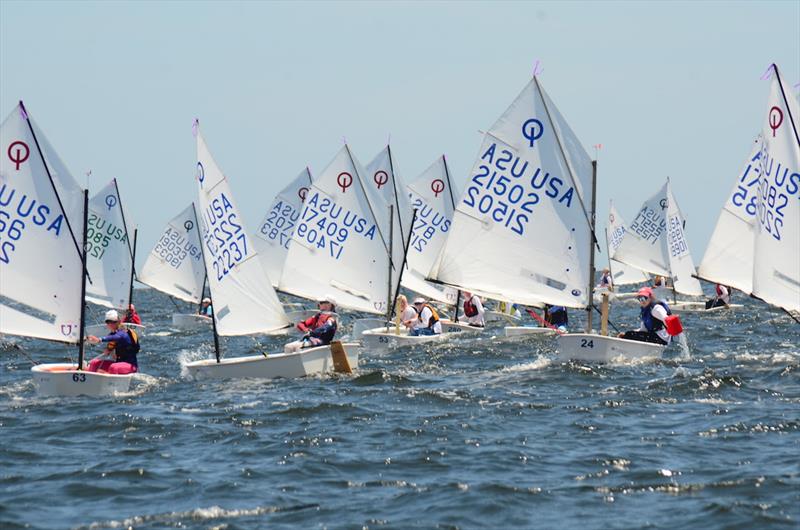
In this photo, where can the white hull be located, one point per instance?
(308, 361)
(100, 330)
(363, 324)
(190, 321)
(602, 349)
(497, 316)
(63, 379)
(448, 326)
(702, 308)
(381, 340)
(520, 331)
(683, 306)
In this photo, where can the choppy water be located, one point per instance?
(488, 433)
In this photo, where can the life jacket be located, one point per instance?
(127, 353)
(434, 315)
(470, 309)
(324, 327)
(650, 323)
(557, 315)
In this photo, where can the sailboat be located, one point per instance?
(755, 246)
(42, 267)
(524, 217)
(111, 256)
(242, 295)
(656, 243)
(274, 235)
(175, 267)
(621, 274)
(382, 191)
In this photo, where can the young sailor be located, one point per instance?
(319, 330)
(653, 315)
(606, 281)
(131, 316)
(722, 298)
(473, 310)
(556, 315)
(408, 315)
(427, 319)
(119, 357)
(205, 308)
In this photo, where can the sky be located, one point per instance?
(670, 89)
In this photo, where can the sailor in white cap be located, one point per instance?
(319, 330)
(427, 320)
(205, 308)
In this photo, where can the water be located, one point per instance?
(488, 433)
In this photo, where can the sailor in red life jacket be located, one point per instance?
(319, 330)
(653, 315)
(723, 297)
(473, 310)
(131, 316)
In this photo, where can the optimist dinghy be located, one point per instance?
(755, 246)
(43, 270)
(243, 297)
(530, 166)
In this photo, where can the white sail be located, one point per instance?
(680, 259)
(109, 249)
(776, 266)
(520, 230)
(40, 261)
(729, 257)
(275, 232)
(338, 248)
(615, 232)
(383, 188)
(431, 195)
(645, 244)
(175, 265)
(243, 297)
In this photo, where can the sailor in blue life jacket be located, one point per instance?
(473, 310)
(722, 298)
(206, 308)
(122, 345)
(556, 315)
(606, 280)
(319, 329)
(653, 315)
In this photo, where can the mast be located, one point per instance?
(203, 288)
(50, 177)
(786, 103)
(396, 196)
(592, 242)
(124, 223)
(213, 309)
(405, 256)
(589, 215)
(608, 251)
(81, 345)
(449, 185)
(391, 265)
(133, 266)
